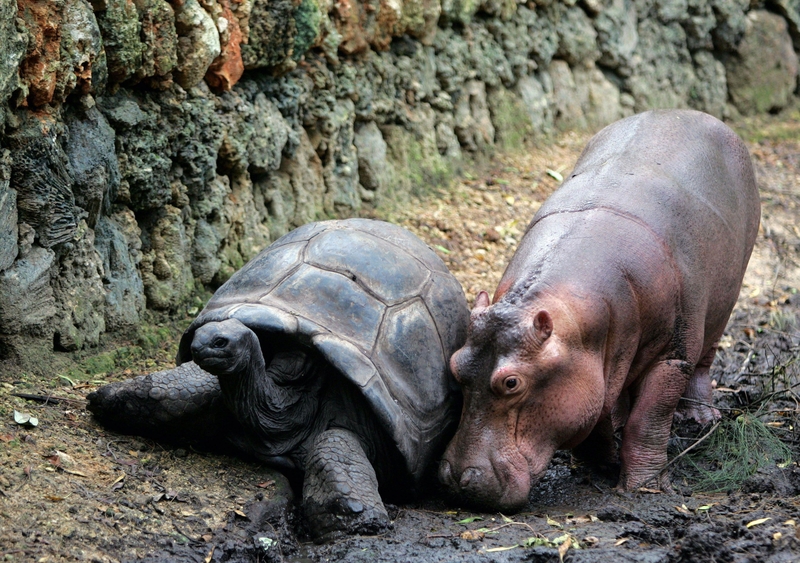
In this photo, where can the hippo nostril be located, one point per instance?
(470, 475)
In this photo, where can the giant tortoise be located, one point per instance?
(326, 355)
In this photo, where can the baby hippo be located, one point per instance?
(609, 312)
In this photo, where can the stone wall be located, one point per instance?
(151, 147)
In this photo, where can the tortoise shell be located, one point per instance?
(377, 303)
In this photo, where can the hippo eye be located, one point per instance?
(511, 383)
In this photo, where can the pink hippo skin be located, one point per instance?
(609, 312)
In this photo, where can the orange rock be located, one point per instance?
(39, 68)
(227, 68)
(347, 15)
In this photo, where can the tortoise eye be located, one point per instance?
(219, 342)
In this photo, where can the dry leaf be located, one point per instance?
(265, 484)
(776, 536)
(682, 509)
(54, 498)
(553, 523)
(649, 491)
(578, 520)
(472, 535)
(590, 541)
(564, 547)
(791, 522)
(621, 541)
(240, 514)
(210, 555)
(757, 522)
(470, 520)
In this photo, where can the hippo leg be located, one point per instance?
(340, 489)
(181, 405)
(644, 439)
(699, 395)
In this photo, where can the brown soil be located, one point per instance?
(71, 490)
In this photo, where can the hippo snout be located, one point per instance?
(479, 487)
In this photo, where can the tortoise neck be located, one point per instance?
(277, 403)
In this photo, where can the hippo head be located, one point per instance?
(529, 389)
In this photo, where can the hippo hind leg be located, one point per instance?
(696, 403)
(340, 488)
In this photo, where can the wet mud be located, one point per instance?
(71, 490)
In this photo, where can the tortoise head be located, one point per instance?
(226, 348)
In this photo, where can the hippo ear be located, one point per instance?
(542, 326)
(481, 302)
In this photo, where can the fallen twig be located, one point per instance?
(47, 398)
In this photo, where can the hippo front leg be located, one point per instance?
(340, 489)
(643, 454)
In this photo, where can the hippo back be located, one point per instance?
(683, 174)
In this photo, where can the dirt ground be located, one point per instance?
(73, 491)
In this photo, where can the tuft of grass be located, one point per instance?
(735, 451)
(782, 321)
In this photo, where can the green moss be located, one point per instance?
(272, 32)
(459, 10)
(121, 29)
(427, 170)
(417, 167)
(307, 18)
(512, 123)
(782, 127)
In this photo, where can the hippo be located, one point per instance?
(610, 311)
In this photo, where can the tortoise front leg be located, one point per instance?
(181, 405)
(340, 489)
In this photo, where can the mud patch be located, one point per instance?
(122, 498)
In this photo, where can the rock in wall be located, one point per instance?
(152, 147)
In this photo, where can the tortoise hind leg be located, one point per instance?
(181, 405)
(340, 489)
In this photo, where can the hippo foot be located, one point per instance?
(340, 489)
(702, 414)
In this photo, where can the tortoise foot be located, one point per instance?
(340, 490)
(182, 405)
